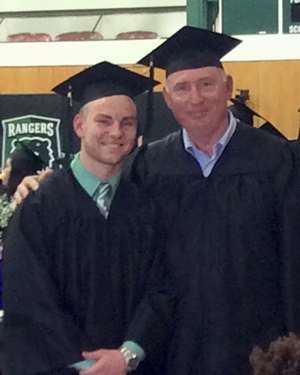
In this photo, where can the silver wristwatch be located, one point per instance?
(131, 359)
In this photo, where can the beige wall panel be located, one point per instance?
(279, 97)
(159, 74)
(274, 86)
(245, 77)
(274, 91)
(33, 79)
(42, 79)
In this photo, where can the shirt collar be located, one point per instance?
(222, 142)
(88, 180)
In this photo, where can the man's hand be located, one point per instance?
(108, 362)
(30, 183)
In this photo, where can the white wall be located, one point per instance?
(46, 5)
(266, 47)
(253, 48)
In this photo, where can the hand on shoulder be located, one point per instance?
(28, 184)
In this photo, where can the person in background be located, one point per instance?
(4, 175)
(282, 357)
(21, 163)
(79, 252)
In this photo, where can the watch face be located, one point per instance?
(132, 360)
(133, 363)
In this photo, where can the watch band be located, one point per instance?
(131, 359)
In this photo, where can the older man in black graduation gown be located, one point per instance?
(73, 273)
(229, 196)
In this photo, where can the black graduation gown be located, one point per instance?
(233, 247)
(79, 276)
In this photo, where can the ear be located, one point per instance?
(78, 125)
(167, 98)
(229, 86)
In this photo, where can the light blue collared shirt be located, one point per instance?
(206, 162)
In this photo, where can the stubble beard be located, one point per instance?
(105, 158)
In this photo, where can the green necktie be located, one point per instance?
(104, 197)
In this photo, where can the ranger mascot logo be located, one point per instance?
(40, 134)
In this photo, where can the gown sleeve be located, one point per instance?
(290, 246)
(152, 323)
(40, 335)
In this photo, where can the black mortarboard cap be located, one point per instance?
(102, 80)
(269, 128)
(243, 113)
(191, 48)
(24, 163)
(23, 155)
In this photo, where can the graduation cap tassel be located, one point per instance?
(70, 96)
(150, 102)
(67, 129)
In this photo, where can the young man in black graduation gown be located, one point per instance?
(74, 274)
(229, 195)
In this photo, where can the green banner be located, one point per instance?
(40, 134)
